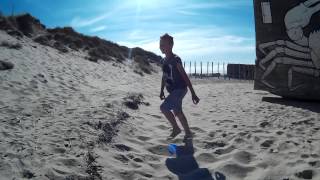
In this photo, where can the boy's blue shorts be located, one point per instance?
(174, 100)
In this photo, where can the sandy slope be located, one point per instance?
(51, 105)
(47, 102)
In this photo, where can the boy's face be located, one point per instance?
(165, 46)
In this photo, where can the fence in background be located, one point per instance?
(199, 69)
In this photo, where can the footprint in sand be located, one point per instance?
(138, 160)
(225, 150)
(156, 116)
(214, 144)
(243, 157)
(197, 129)
(59, 150)
(163, 127)
(57, 172)
(240, 140)
(314, 155)
(144, 174)
(69, 162)
(135, 161)
(143, 138)
(33, 84)
(122, 147)
(151, 158)
(195, 114)
(237, 170)
(212, 134)
(158, 149)
(267, 144)
(122, 158)
(206, 157)
(279, 132)
(264, 124)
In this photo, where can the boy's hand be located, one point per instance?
(195, 99)
(162, 96)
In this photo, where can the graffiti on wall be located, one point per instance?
(295, 46)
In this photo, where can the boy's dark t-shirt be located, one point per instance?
(172, 77)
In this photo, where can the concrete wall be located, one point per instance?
(240, 71)
(288, 47)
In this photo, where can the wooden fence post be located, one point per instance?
(218, 70)
(201, 69)
(239, 73)
(224, 72)
(207, 69)
(195, 68)
(212, 69)
(190, 69)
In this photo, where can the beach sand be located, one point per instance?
(64, 117)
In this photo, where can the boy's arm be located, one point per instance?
(188, 82)
(162, 84)
(162, 88)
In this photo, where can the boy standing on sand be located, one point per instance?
(176, 81)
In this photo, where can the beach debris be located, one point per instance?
(267, 143)
(133, 100)
(264, 124)
(92, 167)
(6, 65)
(314, 163)
(27, 174)
(306, 174)
(110, 127)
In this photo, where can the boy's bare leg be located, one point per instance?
(172, 120)
(184, 123)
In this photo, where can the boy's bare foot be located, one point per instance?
(174, 133)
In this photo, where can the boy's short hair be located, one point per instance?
(167, 37)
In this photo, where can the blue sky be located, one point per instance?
(204, 30)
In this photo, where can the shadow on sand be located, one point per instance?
(313, 106)
(185, 166)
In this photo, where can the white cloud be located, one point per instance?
(84, 22)
(98, 29)
(147, 44)
(188, 13)
(79, 22)
(220, 46)
(203, 42)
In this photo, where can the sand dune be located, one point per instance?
(64, 117)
